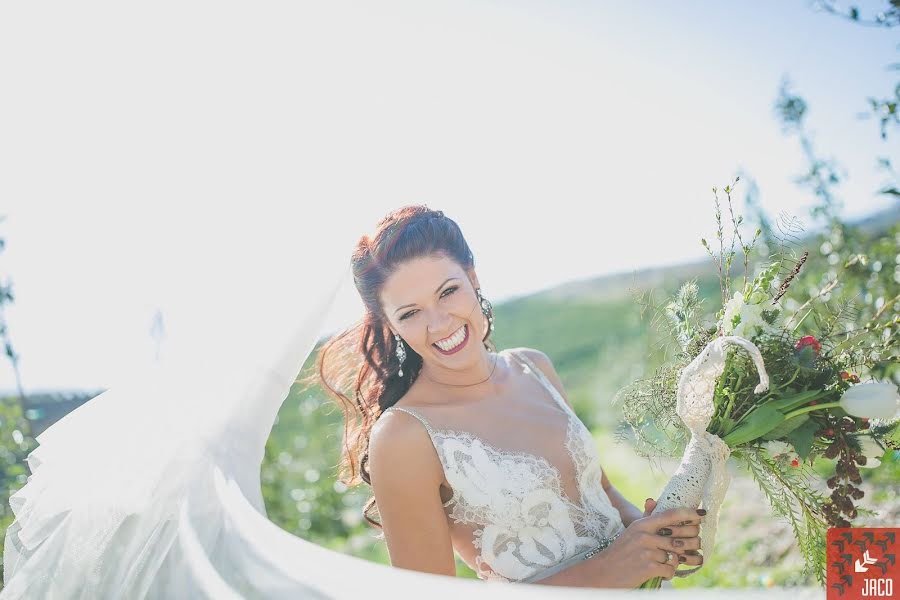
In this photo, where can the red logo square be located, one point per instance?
(862, 563)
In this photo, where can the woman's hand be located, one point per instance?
(640, 552)
(692, 557)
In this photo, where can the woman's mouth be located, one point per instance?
(455, 338)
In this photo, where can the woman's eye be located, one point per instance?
(446, 293)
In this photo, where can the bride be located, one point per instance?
(152, 488)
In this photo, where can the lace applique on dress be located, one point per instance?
(524, 521)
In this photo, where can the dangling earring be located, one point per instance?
(401, 352)
(486, 308)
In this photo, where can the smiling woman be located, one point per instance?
(416, 278)
(467, 450)
(489, 459)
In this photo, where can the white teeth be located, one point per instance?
(453, 341)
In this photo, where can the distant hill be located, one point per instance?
(585, 326)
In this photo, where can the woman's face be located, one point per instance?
(431, 299)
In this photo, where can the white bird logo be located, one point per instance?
(867, 560)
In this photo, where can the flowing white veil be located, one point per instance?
(153, 486)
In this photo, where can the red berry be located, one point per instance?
(795, 463)
(808, 340)
(844, 374)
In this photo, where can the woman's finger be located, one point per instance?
(692, 557)
(682, 544)
(679, 545)
(668, 518)
(662, 556)
(684, 531)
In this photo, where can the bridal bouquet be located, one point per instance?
(753, 386)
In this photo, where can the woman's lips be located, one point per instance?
(460, 346)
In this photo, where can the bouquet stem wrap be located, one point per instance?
(702, 475)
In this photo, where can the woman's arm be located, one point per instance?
(628, 511)
(406, 475)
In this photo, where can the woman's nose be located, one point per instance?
(439, 325)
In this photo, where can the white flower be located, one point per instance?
(732, 308)
(749, 317)
(871, 450)
(872, 400)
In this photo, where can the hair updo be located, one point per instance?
(361, 359)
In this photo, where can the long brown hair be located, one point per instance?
(361, 359)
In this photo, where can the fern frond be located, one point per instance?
(793, 498)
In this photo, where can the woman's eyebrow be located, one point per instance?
(435, 291)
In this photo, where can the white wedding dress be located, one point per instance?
(523, 501)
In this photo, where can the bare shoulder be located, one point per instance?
(400, 444)
(543, 362)
(406, 475)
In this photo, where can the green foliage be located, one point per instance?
(15, 444)
(793, 497)
(684, 312)
(802, 437)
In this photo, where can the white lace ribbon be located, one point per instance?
(702, 477)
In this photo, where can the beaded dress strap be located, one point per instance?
(416, 415)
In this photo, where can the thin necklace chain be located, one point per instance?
(496, 357)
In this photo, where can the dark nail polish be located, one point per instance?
(681, 559)
(665, 531)
(677, 543)
(701, 511)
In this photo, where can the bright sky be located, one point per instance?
(568, 139)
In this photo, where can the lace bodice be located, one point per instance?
(511, 514)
